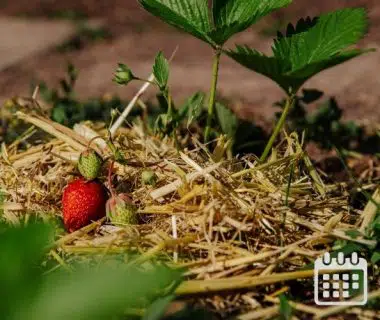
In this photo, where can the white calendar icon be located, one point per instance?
(340, 281)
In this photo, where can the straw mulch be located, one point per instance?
(245, 231)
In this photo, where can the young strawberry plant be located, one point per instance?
(169, 118)
(215, 27)
(306, 49)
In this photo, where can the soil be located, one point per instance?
(137, 36)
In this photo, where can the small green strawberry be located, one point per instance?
(120, 210)
(149, 177)
(123, 74)
(90, 164)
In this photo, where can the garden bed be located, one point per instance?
(245, 232)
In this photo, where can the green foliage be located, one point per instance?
(84, 35)
(85, 293)
(245, 136)
(157, 308)
(324, 126)
(191, 117)
(307, 48)
(233, 16)
(227, 120)
(226, 18)
(375, 257)
(67, 109)
(191, 16)
(167, 121)
(371, 252)
(285, 308)
(161, 71)
(192, 108)
(2, 200)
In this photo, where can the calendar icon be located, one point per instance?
(340, 281)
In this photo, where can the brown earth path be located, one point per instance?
(137, 37)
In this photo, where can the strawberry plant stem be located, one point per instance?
(280, 124)
(211, 105)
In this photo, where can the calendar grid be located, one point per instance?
(340, 281)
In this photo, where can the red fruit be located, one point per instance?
(83, 201)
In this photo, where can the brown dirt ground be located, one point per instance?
(137, 36)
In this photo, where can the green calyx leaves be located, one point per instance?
(307, 48)
(226, 18)
(123, 75)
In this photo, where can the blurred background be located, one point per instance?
(38, 38)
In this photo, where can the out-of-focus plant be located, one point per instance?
(105, 292)
(323, 126)
(68, 109)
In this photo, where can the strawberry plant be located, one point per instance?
(309, 47)
(304, 50)
(215, 26)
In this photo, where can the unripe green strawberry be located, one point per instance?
(89, 164)
(123, 74)
(120, 210)
(149, 177)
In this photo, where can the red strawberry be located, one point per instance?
(83, 201)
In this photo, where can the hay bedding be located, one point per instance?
(243, 238)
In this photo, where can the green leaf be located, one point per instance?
(59, 115)
(285, 308)
(270, 67)
(353, 233)
(310, 47)
(161, 71)
(95, 294)
(157, 308)
(86, 293)
(21, 251)
(375, 257)
(311, 95)
(302, 25)
(72, 72)
(2, 200)
(229, 16)
(233, 16)
(227, 120)
(332, 33)
(192, 108)
(191, 16)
